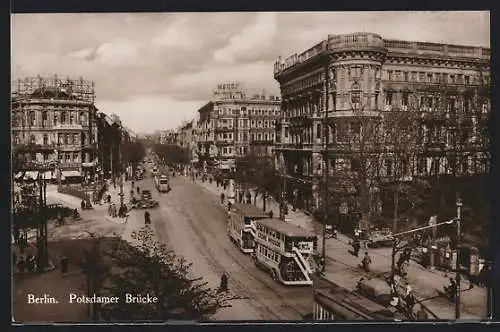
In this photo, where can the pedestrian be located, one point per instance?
(82, 204)
(30, 263)
(64, 265)
(223, 283)
(366, 262)
(222, 198)
(16, 234)
(133, 184)
(249, 197)
(138, 190)
(271, 214)
(356, 245)
(21, 265)
(422, 314)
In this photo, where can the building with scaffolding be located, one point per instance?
(234, 124)
(53, 124)
(335, 91)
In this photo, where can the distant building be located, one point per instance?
(53, 124)
(234, 124)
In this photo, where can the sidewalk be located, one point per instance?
(342, 268)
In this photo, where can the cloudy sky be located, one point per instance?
(156, 70)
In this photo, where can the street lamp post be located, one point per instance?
(458, 265)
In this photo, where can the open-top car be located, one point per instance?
(379, 238)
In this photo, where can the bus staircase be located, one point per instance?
(302, 263)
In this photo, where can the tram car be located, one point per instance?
(286, 251)
(240, 225)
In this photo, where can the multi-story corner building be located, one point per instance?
(346, 80)
(53, 122)
(234, 124)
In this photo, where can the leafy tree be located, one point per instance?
(133, 152)
(148, 267)
(171, 153)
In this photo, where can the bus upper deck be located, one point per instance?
(240, 225)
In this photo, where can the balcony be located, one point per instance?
(224, 129)
(66, 126)
(262, 142)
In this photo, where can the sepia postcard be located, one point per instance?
(256, 166)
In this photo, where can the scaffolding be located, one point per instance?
(78, 89)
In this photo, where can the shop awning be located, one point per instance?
(31, 175)
(91, 164)
(68, 174)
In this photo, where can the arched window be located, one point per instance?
(45, 118)
(83, 120)
(64, 117)
(32, 118)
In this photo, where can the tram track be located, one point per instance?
(250, 274)
(176, 216)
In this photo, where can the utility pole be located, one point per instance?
(326, 170)
(458, 265)
(120, 165)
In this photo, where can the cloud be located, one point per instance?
(178, 35)
(164, 65)
(250, 41)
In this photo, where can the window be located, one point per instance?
(75, 138)
(71, 119)
(76, 156)
(66, 139)
(45, 117)
(32, 119)
(404, 100)
(63, 117)
(32, 139)
(405, 76)
(388, 98)
(355, 165)
(318, 131)
(388, 167)
(68, 157)
(45, 139)
(82, 118)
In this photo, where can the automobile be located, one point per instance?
(379, 238)
(146, 195)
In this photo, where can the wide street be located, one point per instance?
(342, 268)
(193, 224)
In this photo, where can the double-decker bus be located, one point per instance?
(286, 251)
(240, 225)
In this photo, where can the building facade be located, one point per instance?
(234, 124)
(332, 91)
(53, 122)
